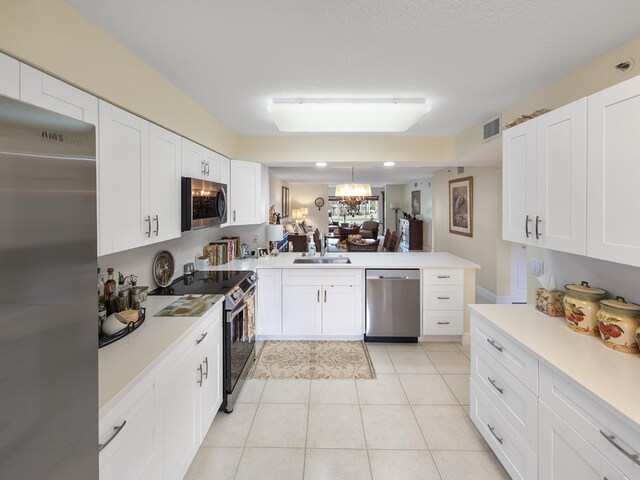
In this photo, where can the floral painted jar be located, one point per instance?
(618, 322)
(581, 305)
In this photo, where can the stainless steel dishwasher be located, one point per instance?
(392, 305)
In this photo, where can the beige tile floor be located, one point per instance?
(411, 423)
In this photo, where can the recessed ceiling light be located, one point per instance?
(321, 164)
(375, 116)
(389, 164)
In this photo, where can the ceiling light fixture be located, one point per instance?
(352, 195)
(321, 164)
(375, 116)
(389, 164)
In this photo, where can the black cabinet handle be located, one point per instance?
(526, 226)
(537, 227)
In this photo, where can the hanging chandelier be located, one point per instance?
(352, 195)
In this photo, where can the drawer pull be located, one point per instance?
(444, 298)
(493, 343)
(114, 434)
(444, 323)
(493, 432)
(612, 440)
(493, 382)
(444, 276)
(201, 338)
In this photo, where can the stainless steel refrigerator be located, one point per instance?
(48, 309)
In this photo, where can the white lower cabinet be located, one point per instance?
(130, 437)
(269, 302)
(564, 454)
(157, 428)
(320, 303)
(540, 423)
(442, 302)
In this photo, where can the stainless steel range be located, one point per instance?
(238, 287)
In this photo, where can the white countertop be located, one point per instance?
(612, 376)
(122, 363)
(358, 260)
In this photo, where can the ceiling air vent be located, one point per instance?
(491, 129)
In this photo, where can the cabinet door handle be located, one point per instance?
(526, 226)
(537, 227)
(114, 434)
(206, 372)
(493, 343)
(444, 323)
(148, 222)
(444, 298)
(207, 172)
(325, 296)
(612, 440)
(200, 370)
(493, 432)
(157, 220)
(234, 215)
(318, 296)
(201, 338)
(444, 276)
(202, 169)
(493, 382)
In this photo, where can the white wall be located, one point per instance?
(140, 260)
(304, 195)
(275, 194)
(394, 194)
(486, 247)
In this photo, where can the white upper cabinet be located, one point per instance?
(614, 173)
(544, 180)
(561, 213)
(225, 177)
(200, 162)
(165, 162)
(519, 181)
(245, 193)
(9, 76)
(123, 168)
(47, 92)
(139, 175)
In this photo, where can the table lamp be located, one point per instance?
(274, 234)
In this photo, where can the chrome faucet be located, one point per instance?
(323, 244)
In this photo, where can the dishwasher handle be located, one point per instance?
(381, 277)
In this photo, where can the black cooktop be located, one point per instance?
(210, 282)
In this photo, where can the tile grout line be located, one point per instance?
(255, 414)
(306, 432)
(364, 433)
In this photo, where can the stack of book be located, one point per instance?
(222, 251)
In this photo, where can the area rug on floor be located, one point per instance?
(315, 360)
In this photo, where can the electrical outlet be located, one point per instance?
(255, 237)
(536, 267)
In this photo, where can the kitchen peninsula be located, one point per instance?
(326, 300)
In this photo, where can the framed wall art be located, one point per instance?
(415, 202)
(285, 202)
(461, 206)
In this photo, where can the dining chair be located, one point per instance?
(394, 244)
(387, 239)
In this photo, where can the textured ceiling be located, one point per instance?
(468, 58)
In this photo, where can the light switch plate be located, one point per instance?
(536, 266)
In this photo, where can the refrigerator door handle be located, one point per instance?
(116, 430)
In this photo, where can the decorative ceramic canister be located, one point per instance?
(581, 305)
(618, 322)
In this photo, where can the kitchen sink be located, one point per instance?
(339, 260)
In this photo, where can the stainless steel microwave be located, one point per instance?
(204, 203)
